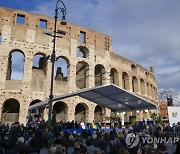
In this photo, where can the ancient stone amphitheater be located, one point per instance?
(84, 58)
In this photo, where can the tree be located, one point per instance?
(159, 120)
(153, 116)
(132, 120)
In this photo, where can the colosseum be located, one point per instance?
(84, 59)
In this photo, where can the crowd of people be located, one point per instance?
(37, 137)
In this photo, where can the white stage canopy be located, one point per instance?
(109, 96)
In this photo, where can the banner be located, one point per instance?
(174, 115)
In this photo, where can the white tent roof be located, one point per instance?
(109, 96)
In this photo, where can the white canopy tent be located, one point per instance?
(109, 96)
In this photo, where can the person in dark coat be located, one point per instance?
(33, 145)
(13, 135)
(105, 144)
(116, 146)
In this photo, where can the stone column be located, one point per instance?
(27, 76)
(72, 78)
(120, 79)
(107, 77)
(91, 112)
(145, 89)
(150, 91)
(23, 113)
(129, 84)
(138, 87)
(91, 77)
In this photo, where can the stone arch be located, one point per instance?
(40, 62)
(82, 73)
(98, 114)
(142, 87)
(125, 80)
(99, 75)
(34, 102)
(114, 76)
(61, 109)
(134, 84)
(37, 111)
(82, 52)
(61, 68)
(81, 112)
(15, 70)
(39, 68)
(133, 68)
(10, 111)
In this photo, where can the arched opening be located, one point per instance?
(82, 52)
(125, 79)
(114, 76)
(81, 111)
(99, 75)
(82, 73)
(61, 69)
(10, 111)
(134, 84)
(142, 88)
(36, 112)
(60, 109)
(39, 68)
(15, 69)
(39, 62)
(98, 114)
(133, 68)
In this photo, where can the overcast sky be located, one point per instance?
(144, 31)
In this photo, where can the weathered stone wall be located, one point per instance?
(30, 40)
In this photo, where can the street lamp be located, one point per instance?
(53, 55)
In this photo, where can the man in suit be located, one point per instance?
(13, 135)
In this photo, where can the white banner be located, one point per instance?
(174, 115)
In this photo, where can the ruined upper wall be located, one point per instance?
(101, 42)
(31, 33)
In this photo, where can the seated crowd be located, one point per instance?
(37, 137)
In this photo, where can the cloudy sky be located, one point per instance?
(145, 31)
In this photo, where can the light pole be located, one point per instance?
(53, 55)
